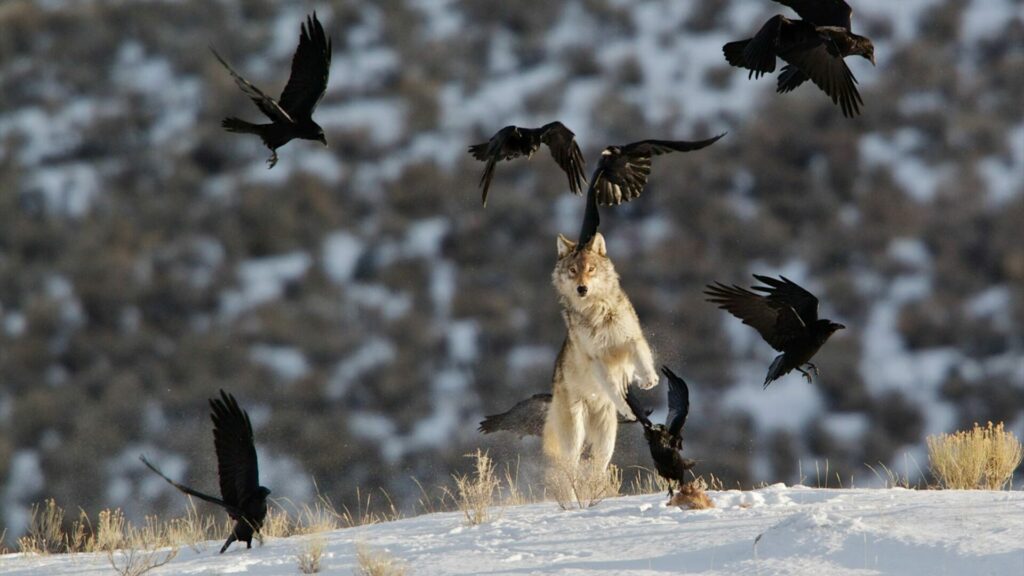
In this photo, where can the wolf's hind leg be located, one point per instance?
(602, 425)
(564, 431)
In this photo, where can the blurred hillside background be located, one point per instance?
(368, 312)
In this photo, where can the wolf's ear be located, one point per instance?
(597, 246)
(565, 246)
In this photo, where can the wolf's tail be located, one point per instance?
(240, 126)
(734, 53)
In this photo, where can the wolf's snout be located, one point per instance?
(581, 290)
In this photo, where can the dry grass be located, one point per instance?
(692, 495)
(980, 458)
(647, 481)
(477, 491)
(45, 533)
(582, 485)
(370, 562)
(111, 531)
(310, 555)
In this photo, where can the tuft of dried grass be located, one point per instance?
(476, 491)
(45, 534)
(980, 458)
(370, 562)
(647, 481)
(310, 555)
(693, 496)
(581, 485)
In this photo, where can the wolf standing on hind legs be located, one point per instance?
(603, 352)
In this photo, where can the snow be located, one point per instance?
(341, 252)
(24, 477)
(776, 530)
(263, 280)
(286, 362)
(374, 352)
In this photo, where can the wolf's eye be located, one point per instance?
(591, 268)
(572, 270)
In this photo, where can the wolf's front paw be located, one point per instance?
(648, 380)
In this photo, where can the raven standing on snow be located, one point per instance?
(666, 440)
(813, 48)
(241, 494)
(292, 114)
(787, 318)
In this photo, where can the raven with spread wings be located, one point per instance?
(666, 440)
(514, 142)
(786, 316)
(620, 176)
(241, 494)
(292, 114)
(813, 49)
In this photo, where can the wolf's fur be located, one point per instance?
(603, 352)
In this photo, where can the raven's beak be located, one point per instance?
(840, 327)
(323, 140)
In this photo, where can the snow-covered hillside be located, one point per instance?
(776, 530)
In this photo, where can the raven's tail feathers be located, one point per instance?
(240, 126)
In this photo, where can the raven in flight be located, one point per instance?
(621, 175)
(786, 317)
(291, 115)
(514, 142)
(241, 494)
(526, 418)
(813, 48)
(666, 440)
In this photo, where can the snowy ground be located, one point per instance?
(776, 530)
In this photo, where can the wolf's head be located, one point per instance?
(583, 271)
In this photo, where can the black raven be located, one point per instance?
(241, 494)
(292, 115)
(813, 48)
(526, 418)
(514, 142)
(786, 317)
(621, 175)
(666, 440)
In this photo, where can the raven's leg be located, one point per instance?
(231, 538)
(272, 161)
(814, 368)
(806, 375)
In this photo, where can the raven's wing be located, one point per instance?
(678, 402)
(270, 107)
(562, 143)
(822, 12)
(508, 143)
(311, 67)
(777, 325)
(526, 418)
(622, 172)
(790, 78)
(788, 294)
(591, 217)
(828, 72)
(760, 52)
(232, 510)
(237, 467)
(638, 411)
